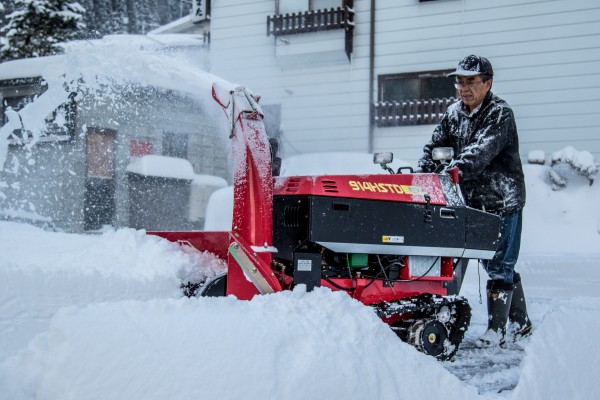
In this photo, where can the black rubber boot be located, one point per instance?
(520, 325)
(499, 299)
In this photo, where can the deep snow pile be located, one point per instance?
(560, 362)
(290, 345)
(40, 272)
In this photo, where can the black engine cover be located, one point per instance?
(346, 225)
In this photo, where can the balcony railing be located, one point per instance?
(416, 112)
(315, 21)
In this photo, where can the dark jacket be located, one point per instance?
(486, 151)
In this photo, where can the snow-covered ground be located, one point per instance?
(101, 317)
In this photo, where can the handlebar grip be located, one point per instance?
(454, 174)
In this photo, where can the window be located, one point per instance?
(175, 145)
(296, 6)
(16, 94)
(140, 148)
(413, 99)
(324, 4)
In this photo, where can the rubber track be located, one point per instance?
(424, 306)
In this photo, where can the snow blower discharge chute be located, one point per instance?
(398, 242)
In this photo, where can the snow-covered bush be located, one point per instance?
(569, 160)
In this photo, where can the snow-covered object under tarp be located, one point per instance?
(203, 186)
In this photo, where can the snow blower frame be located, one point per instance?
(399, 242)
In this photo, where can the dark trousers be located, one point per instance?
(502, 266)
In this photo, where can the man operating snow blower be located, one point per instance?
(481, 130)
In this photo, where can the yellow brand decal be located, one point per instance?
(392, 239)
(384, 188)
(412, 189)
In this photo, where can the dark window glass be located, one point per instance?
(175, 145)
(416, 86)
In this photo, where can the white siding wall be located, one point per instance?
(545, 53)
(324, 107)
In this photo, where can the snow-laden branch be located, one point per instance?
(31, 118)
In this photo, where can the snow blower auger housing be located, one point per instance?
(397, 242)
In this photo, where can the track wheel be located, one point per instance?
(429, 336)
(215, 287)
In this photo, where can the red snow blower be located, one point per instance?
(398, 242)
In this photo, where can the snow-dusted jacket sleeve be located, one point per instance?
(439, 138)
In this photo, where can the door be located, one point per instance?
(99, 199)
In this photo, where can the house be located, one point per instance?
(130, 105)
(370, 75)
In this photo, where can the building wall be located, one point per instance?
(48, 181)
(322, 100)
(546, 56)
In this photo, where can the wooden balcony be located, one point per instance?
(315, 21)
(415, 112)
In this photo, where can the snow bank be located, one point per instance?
(219, 210)
(561, 361)
(40, 272)
(560, 222)
(292, 345)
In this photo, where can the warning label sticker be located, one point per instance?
(304, 265)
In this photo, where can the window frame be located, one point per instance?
(175, 144)
(423, 110)
(30, 88)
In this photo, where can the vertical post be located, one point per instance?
(371, 76)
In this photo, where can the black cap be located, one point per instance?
(473, 65)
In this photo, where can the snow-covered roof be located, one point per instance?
(175, 39)
(181, 24)
(128, 58)
(209, 180)
(27, 67)
(163, 167)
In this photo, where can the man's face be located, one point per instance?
(472, 90)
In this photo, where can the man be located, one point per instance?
(482, 131)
